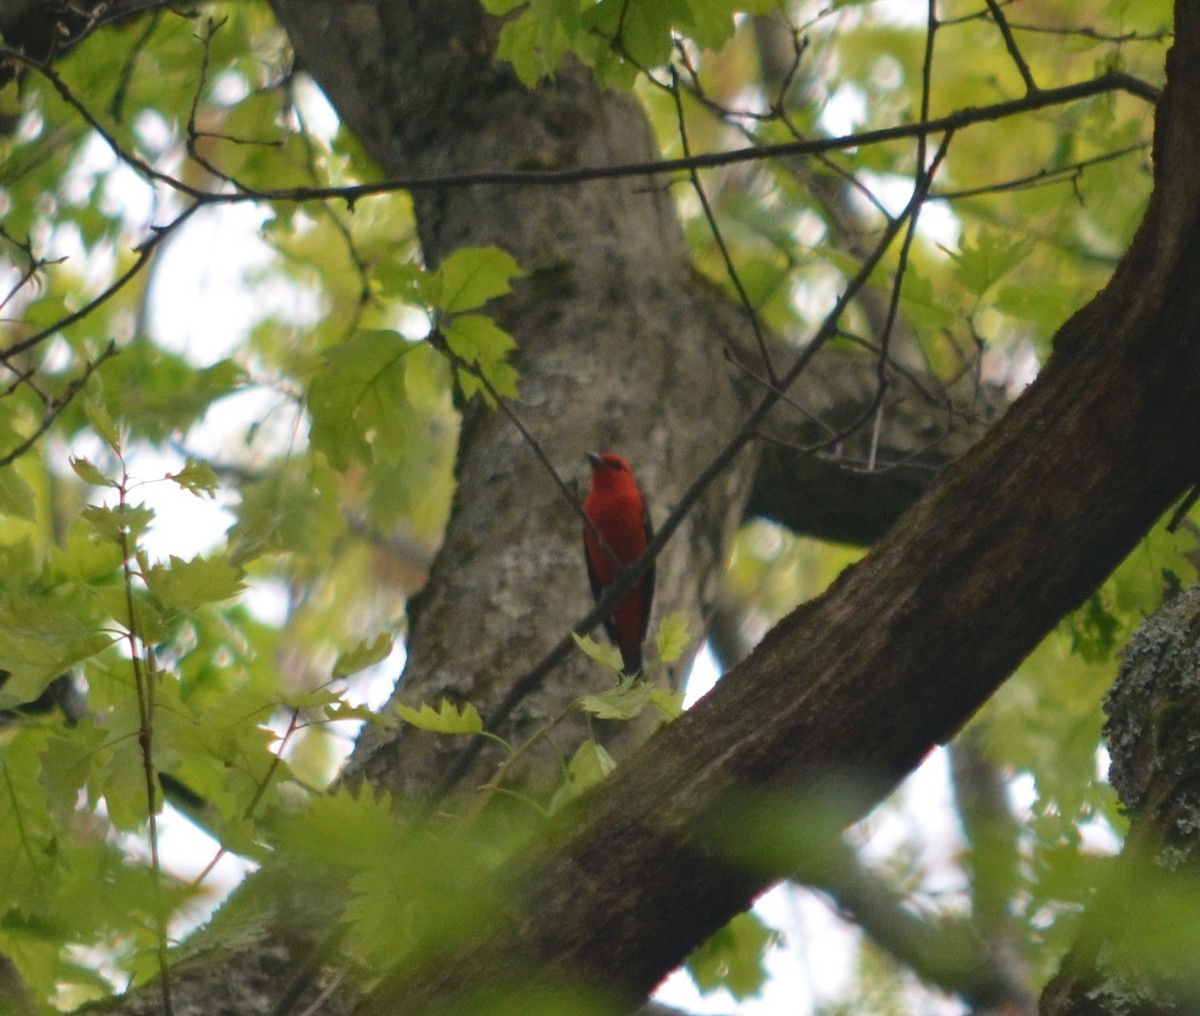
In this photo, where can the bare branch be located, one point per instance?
(1011, 45)
(55, 407)
(145, 253)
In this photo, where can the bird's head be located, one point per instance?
(611, 471)
(603, 461)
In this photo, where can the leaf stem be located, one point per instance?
(145, 681)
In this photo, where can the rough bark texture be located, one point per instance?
(1136, 951)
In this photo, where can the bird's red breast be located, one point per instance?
(618, 532)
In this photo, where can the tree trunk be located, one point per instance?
(1136, 950)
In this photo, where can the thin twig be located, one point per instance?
(34, 264)
(327, 991)
(784, 397)
(116, 106)
(1042, 178)
(931, 26)
(881, 363)
(145, 680)
(1109, 81)
(259, 790)
(1010, 44)
(145, 251)
(1081, 31)
(57, 405)
(711, 217)
(193, 133)
(133, 161)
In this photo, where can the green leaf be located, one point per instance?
(185, 585)
(362, 713)
(88, 473)
(119, 522)
(149, 617)
(82, 556)
(1094, 630)
(290, 510)
(480, 342)
(668, 703)
(924, 307)
(197, 476)
(157, 393)
(102, 423)
(322, 831)
(602, 652)
(432, 893)
(20, 564)
(499, 7)
(992, 255)
(1046, 304)
(535, 41)
(26, 833)
(645, 27)
(38, 641)
(710, 23)
(590, 764)
(447, 720)
(672, 637)
(66, 764)
(401, 279)
(733, 958)
(359, 403)
(363, 655)
(624, 702)
(471, 276)
(16, 496)
(310, 698)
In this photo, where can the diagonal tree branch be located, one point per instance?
(1010, 44)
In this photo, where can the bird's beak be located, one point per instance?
(595, 459)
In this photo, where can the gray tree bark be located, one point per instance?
(1135, 953)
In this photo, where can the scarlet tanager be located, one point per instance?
(617, 531)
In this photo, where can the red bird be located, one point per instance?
(617, 531)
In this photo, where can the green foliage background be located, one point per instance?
(338, 476)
